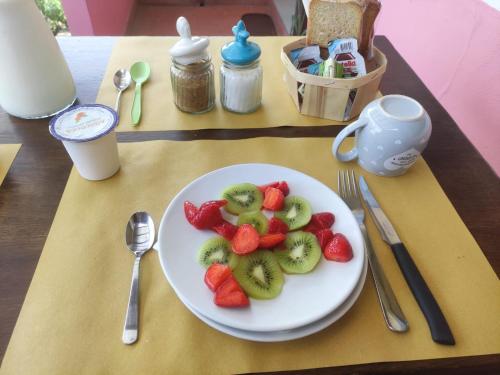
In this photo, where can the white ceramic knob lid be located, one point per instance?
(189, 49)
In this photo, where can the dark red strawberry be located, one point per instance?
(263, 188)
(283, 186)
(273, 199)
(268, 241)
(277, 226)
(245, 240)
(338, 249)
(311, 227)
(216, 274)
(323, 220)
(190, 210)
(208, 217)
(226, 229)
(324, 236)
(230, 294)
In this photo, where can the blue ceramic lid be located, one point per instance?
(239, 51)
(83, 123)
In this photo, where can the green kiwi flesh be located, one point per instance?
(259, 275)
(255, 218)
(217, 250)
(296, 212)
(244, 197)
(301, 253)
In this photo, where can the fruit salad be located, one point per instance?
(275, 233)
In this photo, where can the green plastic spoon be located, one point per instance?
(140, 73)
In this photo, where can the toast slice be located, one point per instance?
(333, 19)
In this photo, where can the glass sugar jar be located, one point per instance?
(191, 72)
(241, 74)
(193, 86)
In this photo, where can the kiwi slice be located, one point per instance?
(255, 218)
(300, 254)
(242, 198)
(259, 274)
(217, 250)
(296, 212)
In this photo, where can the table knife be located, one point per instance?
(440, 331)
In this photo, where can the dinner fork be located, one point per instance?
(393, 315)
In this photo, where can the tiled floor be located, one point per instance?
(211, 19)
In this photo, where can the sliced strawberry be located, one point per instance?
(277, 226)
(338, 249)
(324, 236)
(268, 241)
(311, 227)
(323, 220)
(208, 217)
(190, 210)
(226, 229)
(263, 188)
(273, 199)
(216, 274)
(283, 186)
(245, 240)
(230, 294)
(220, 203)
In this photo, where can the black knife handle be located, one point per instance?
(440, 331)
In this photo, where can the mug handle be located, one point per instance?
(351, 128)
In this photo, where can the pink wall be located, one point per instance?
(98, 17)
(454, 47)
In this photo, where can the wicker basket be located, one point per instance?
(339, 99)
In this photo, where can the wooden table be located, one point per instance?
(31, 191)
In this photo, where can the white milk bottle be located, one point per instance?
(34, 78)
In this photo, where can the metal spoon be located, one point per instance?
(140, 236)
(121, 81)
(140, 73)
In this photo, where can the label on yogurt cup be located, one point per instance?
(83, 123)
(402, 160)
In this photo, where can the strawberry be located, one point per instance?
(283, 186)
(311, 227)
(216, 274)
(225, 229)
(268, 241)
(324, 236)
(323, 220)
(263, 188)
(273, 199)
(220, 203)
(245, 240)
(190, 210)
(277, 226)
(230, 294)
(338, 249)
(206, 217)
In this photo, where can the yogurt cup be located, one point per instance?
(88, 133)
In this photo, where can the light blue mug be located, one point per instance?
(391, 133)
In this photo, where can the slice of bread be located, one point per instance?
(370, 13)
(333, 19)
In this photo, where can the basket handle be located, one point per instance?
(351, 128)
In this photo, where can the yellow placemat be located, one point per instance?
(7, 154)
(159, 111)
(72, 318)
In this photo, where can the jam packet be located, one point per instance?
(345, 52)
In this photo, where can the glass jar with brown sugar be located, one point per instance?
(192, 72)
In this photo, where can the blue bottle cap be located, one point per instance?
(239, 51)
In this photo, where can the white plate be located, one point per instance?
(292, 334)
(304, 299)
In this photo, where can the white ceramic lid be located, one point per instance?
(83, 123)
(188, 50)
